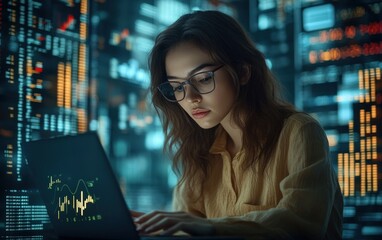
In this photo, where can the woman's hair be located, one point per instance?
(258, 110)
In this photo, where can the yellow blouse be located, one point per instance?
(298, 196)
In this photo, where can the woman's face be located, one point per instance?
(207, 110)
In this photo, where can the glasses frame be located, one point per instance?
(188, 82)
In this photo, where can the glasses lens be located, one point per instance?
(203, 82)
(173, 91)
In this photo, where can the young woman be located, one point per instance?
(249, 163)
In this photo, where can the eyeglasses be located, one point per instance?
(202, 82)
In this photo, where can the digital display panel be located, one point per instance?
(43, 93)
(339, 76)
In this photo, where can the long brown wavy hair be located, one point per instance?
(258, 110)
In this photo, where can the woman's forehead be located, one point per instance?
(185, 57)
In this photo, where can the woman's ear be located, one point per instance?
(245, 74)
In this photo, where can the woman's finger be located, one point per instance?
(136, 214)
(172, 230)
(159, 221)
(146, 217)
(164, 223)
(172, 222)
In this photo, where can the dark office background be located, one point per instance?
(71, 66)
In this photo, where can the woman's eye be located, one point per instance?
(205, 79)
(178, 88)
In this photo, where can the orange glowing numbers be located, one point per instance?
(125, 33)
(372, 48)
(350, 51)
(313, 57)
(336, 34)
(350, 32)
(371, 28)
(358, 167)
(324, 36)
(335, 54)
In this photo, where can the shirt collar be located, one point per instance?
(220, 143)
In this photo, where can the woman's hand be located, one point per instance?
(172, 222)
(136, 214)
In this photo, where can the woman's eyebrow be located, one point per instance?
(193, 71)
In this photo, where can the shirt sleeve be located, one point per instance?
(308, 193)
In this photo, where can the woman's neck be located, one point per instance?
(235, 137)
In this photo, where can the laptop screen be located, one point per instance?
(79, 188)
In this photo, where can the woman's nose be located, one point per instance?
(192, 95)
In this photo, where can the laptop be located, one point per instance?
(80, 191)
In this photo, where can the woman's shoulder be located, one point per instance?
(301, 123)
(299, 119)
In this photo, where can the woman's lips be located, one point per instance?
(200, 113)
